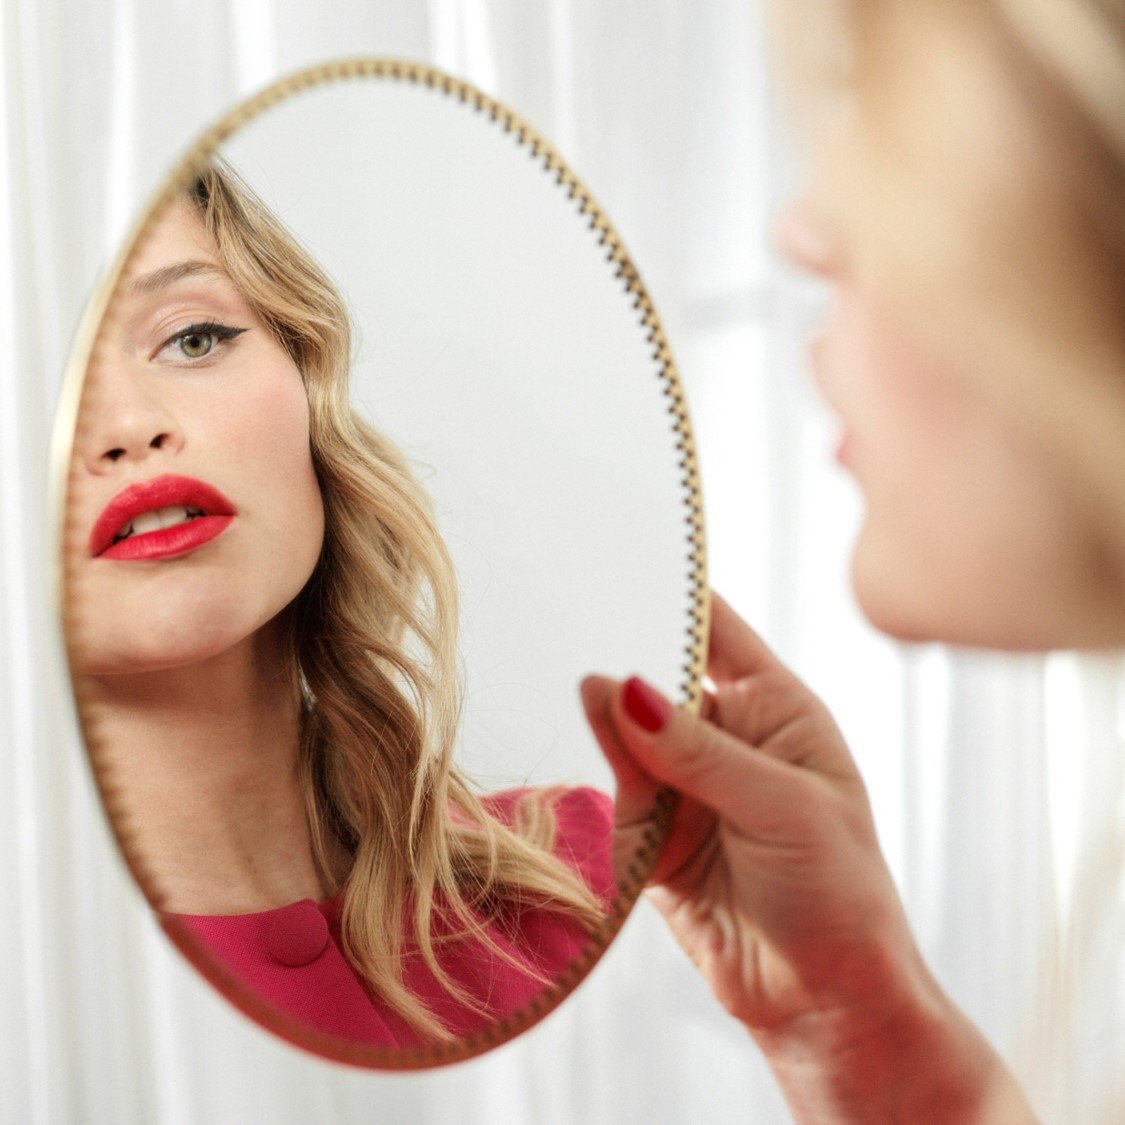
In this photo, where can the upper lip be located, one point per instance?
(164, 491)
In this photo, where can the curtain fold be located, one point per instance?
(995, 791)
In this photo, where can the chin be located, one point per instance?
(136, 654)
(903, 601)
(172, 633)
(895, 622)
(884, 598)
(921, 606)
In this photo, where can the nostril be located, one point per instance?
(159, 441)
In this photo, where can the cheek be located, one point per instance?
(915, 455)
(904, 423)
(271, 418)
(901, 404)
(921, 457)
(269, 424)
(279, 437)
(967, 534)
(262, 427)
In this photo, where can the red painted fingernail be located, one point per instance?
(645, 705)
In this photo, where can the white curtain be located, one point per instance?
(997, 781)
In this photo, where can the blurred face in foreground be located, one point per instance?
(968, 350)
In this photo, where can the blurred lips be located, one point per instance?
(160, 518)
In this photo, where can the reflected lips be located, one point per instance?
(209, 510)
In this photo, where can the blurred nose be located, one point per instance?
(124, 421)
(801, 236)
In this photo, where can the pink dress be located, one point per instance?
(291, 956)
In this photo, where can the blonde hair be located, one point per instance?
(374, 641)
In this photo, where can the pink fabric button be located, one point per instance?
(298, 934)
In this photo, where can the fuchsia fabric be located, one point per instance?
(291, 956)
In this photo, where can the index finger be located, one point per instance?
(734, 650)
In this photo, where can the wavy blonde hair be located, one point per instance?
(374, 643)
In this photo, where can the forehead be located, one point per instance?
(176, 239)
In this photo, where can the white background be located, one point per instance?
(996, 780)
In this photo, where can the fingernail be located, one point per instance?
(645, 705)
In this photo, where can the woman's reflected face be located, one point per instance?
(193, 489)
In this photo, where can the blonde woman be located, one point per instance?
(265, 624)
(966, 208)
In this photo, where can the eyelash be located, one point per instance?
(223, 334)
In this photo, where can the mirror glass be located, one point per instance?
(378, 447)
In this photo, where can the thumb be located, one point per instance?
(754, 792)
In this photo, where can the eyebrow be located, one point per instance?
(167, 275)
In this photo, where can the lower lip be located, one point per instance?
(843, 450)
(168, 542)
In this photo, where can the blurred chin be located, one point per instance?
(913, 600)
(891, 617)
(890, 596)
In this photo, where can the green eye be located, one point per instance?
(196, 345)
(198, 341)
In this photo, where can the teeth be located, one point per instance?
(146, 522)
(157, 520)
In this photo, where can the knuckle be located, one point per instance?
(701, 751)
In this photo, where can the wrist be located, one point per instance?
(913, 1057)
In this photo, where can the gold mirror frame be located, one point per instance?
(695, 646)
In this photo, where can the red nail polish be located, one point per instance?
(645, 706)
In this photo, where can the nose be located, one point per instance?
(802, 237)
(124, 420)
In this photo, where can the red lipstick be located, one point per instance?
(132, 524)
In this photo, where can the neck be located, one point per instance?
(204, 761)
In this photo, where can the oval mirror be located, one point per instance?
(377, 448)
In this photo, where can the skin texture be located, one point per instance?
(184, 657)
